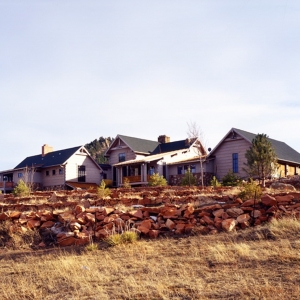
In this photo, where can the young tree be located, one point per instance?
(261, 158)
(195, 133)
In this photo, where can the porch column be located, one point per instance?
(144, 172)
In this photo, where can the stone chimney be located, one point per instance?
(163, 139)
(46, 149)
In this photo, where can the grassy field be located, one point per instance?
(257, 263)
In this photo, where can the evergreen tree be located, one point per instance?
(261, 158)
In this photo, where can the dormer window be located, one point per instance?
(122, 157)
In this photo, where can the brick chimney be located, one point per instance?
(163, 139)
(46, 149)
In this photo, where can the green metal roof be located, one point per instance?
(139, 145)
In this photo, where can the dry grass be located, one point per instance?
(260, 263)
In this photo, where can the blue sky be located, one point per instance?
(72, 71)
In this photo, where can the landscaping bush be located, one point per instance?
(188, 178)
(230, 179)
(250, 191)
(21, 189)
(102, 190)
(215, 183)
(157, 180)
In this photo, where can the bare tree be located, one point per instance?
(28, 177)
(196, 135)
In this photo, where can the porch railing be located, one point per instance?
(132, 179)
(8, 184)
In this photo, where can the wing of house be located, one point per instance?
(137, 159)
(73, 167)
(229, 154)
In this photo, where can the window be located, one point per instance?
(20, 175)
(121, 157)
(179, 170)
(60, 171)
(193, 168)
(53, 172)
(81, 174)
(47, 173)
(235, 162)
(151, 171)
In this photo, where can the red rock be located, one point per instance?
(234, 212)
(244, 225)
(109, 210)
(218, 213)
(285, 198)
(272, 209)
(68, 241)
(248, 203)
(228, 224)
(180, 228)
(211, 207)
(207, 220)
(4, 216)
(238, 200)
(79, 209)
(66, 217)
(90, 217)
(15, 214)
(137, 214)
(255, 213)
(170, 224)
(33, 223)
(102, 234)
(204, 213)
(243, 218)
(146, 223)
(143, 229)
(188, 228)
(225, 216)
(268, 200)
(46, 216)
(47, 224)
(153, 234)
(189, 211)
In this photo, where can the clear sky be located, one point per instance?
(72, 71)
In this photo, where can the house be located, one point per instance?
(229, 154)
(67, 168)
(137, 159)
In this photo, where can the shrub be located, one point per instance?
(21, 189)
(188, 178)
(126, 237)
(157, 180)
(126, 183)
(102, 190)
(230, 179)
(250, 191)
(214, 182)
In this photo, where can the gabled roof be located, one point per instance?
(283, 151)
(53, 158)
(171, 146)
(136, 144)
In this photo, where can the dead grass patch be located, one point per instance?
(224, 266)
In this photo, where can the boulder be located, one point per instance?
(282, 186)
(285, 198)
(228, 224)
(268, 200)
(243, 218)
(234, 212)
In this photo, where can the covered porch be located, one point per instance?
(136, 172)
